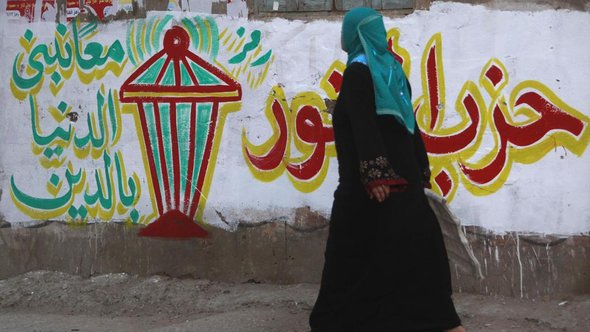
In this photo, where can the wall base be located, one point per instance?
(513, 264)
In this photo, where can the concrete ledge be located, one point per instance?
(513, 264)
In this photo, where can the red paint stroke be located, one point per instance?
(205, 161)
(161, 152)
(310, 129)
(175, 154)
(432, 83)
(173, 224)
(398, 57)
(495, 75)
(335, 80)
(275, 156)
(552, 118)
(151, 158)
(456, 142)
(191, 158)
(444, 182)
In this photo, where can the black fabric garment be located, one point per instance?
(386, 266)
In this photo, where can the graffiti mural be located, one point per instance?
(525, 126)
(178, 101)
(77, 193)
(182, 104)
(174, 121)
(304, 123)
(178, 95)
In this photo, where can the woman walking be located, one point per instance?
(386, 266)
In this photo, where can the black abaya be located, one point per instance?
(386, 267)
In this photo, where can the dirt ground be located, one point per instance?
(53, 301)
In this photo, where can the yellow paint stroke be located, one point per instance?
(54, 190)
(257, 50)
(22, 94)
(124, 184)
(55, 213)
(492, 90)
(27, 45)
(265, 72)
(118, 119)
(56, 88)
(99, 73)
(209, 36)
(227, 40)
(222, 33)
(98, 210)
(337, 66)
(133, 44)
(153, 32)
(239, 46)
(52, 163)
(435, 43)
(132, 110)
(471, 155)
(306, 149)
(224, 110)
(181, 94)
(277, 95)
(394, 34)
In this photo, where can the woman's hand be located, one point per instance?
(379, 193)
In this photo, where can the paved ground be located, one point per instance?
(52, 301)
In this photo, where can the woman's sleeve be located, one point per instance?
(374, 166)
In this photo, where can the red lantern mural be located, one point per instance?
(177, 95)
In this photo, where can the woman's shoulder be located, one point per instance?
(357, 68)
(356, 73)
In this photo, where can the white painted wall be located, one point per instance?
(550, 196)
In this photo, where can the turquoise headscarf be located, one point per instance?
(363, 33)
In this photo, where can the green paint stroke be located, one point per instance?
(148, 32)
(167, 142)
(58, 133)
(98, 141)
(153, 137)
(126, 200)
(88, 28)
(250, 46)
(113, 116)
(205, 35)
(130, 26)
(262, 60)
(202, 129)
(138, 43)
(150, 75)
(185, 79)
(203, 76)
(156, 42)
(214, 31)
(106, 201)
(183, 113)
(85, 57)
(192, 31)
(46, 204)
(168, 78)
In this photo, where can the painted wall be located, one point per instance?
(223, 120)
